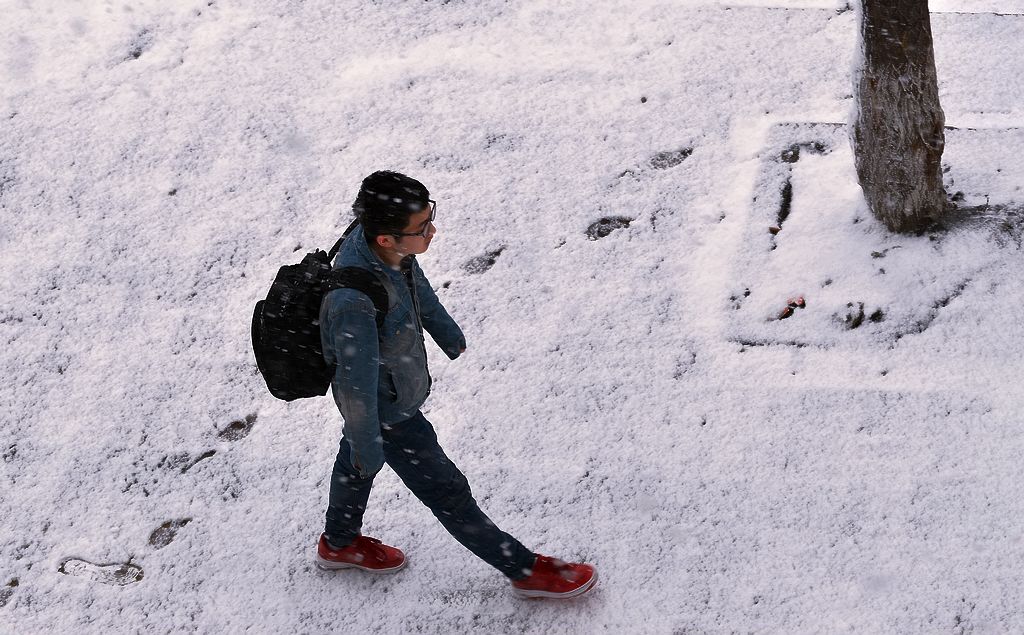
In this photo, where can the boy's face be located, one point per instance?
(416, 236)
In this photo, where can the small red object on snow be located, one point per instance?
(797, 302)
(788, 311)
(774, 230)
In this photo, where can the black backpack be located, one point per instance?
(286, 326)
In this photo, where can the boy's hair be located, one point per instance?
(385, 202)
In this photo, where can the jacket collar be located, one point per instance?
(356, 242)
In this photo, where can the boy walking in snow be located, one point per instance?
(380, 382)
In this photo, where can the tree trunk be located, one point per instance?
(898, 133)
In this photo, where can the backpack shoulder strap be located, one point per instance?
(365, 282)
(337, 245)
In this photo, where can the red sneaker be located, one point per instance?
(368, 554)
(552, 578)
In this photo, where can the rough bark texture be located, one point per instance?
(898, 136)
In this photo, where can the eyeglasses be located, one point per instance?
(426, 225)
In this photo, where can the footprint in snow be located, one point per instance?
(660, 161)
(666, 160)
(604, 226)
(142, 42)
(239, 429)
(8, 591)
(480, 264)
(167, 532)
(183, 461)
(115, 574)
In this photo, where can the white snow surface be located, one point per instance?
(632, 401)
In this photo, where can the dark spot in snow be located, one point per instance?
(481, 264)
(172, 191)
(629, 173)
(852, 317)
(8, 591)
(670, 159)
(877, 316)
(605, 226)
(6, 177)
(165, 533)
(786, 203)
(238, 429)
(446, 284)
(792, 153)
(878, 254)
(643, 100)
(500, 141)
(201, 457)
(141, 43)
(957, 292)
(736, 299)
(757, 343)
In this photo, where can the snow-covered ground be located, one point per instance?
(629, 396)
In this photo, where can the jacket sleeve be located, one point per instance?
(436, 321)
(349, 338)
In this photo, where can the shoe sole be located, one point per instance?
(526, 593)
(328, 565)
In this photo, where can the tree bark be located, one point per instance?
(898, 134)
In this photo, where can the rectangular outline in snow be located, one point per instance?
(773, 173)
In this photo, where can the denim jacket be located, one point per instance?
(381, 379)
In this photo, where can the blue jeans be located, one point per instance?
(412, 451)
